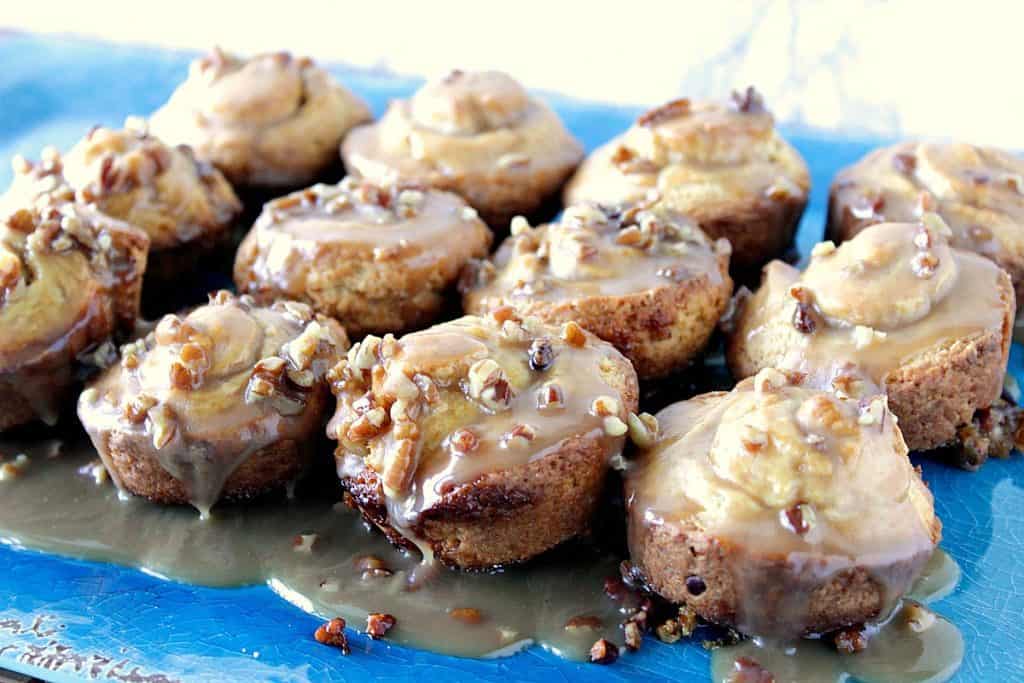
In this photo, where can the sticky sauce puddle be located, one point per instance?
(312, 552)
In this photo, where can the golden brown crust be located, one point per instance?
(667, 558)
(758, 230)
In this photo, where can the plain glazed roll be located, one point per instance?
(222, 403)
(929, 323)
(271, 121)
(723, 165)
(379, 258)
(481, 441)
(779, 509)
(478, 134)
(648, 281)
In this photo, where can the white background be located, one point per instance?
(935, 69)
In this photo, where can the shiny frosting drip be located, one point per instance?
(407, 224)
(207, 390)
(978, 191)
(695, 157)
(593, 251)
(69, 278)
(464, 121)
(270, 109)
(775, 468)
(439, 408)
(891, 293)
(164, 190)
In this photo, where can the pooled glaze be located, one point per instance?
(894, 292)
(776, 469)
(698, 158)
(418, 228)
(439, 408)
(203, 393)
(70, 277)
(163, 190)
(594, 252)
(271, 119)
(978, 191)
(464, 122)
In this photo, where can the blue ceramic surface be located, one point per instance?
(68, 620)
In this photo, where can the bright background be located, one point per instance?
(921, 68)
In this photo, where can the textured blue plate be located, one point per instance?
(69, 621)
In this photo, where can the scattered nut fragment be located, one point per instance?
(687, 620)
(634, 635)
(669, 631)
(924, 264)
(919, 619)
(769, 379)
(467, 615)
(747, 670)
(604, 406)
(573, 334)
(463, 441)
(15, 468)
(873, 412)
(799, 519)
(864, 336)
(550, 396)
(519, 436)
(541, 354)
(161, 419)
(96, 471)
(643, 429)
(613, 426)
(519, 226)
(603, 652)
(372, 567)
(303, 543)
(823, 249)
(333, 633)
(377, 625)
(489, 384)
(850, 640)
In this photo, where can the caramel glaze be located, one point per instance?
(978, 191)
(466, 123)
(797, 487)
(439, 409)
(892, 295)
(707, 160)
(70, 277)
(270, 120)
(593, 252)
(317, 245)
(202, 394)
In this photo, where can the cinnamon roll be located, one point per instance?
(479, 134)
(648, 281)
(480, 441)
(897, 305)
(379, 258)
(271, 121)
(779, 509)
(222, 403)
(723, 165)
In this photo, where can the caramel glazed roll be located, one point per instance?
(896, 306)
(70, 278)
(379, 258)
(722, 165)
(780, 509)
(481, 441)
(648, 281)
(978, 191)
(222, 403)
(478, 134)
(271, 121)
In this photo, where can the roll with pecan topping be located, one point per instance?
(185, 205)
(479, 134)
(221, 403)
(480, 441)
(271, 121)
(649, 282)
(70, 278)
(724, 165)
(780, 509)
(978, 191)
(379, 258)
(898, 306)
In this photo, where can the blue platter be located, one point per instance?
(68, 620)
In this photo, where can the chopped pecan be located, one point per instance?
(604, 652)
(333, 633)
(669, 110)
(377, 625)
(749, 101)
